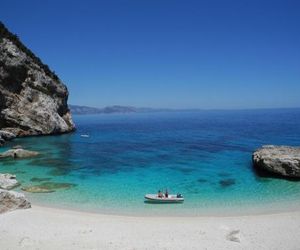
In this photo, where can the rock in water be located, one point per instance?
(33, 100)
(8, 181)
(282, 160)
(6, 135)
(37, 189)
(18, 153)
(10, 200)
(48, 187)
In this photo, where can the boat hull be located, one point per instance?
(153, 198)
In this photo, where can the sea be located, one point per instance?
(112, 160)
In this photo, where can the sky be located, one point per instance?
(166, 53)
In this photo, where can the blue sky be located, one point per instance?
(166, 53)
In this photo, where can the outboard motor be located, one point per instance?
(179, 196)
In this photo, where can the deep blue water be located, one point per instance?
(204, 155)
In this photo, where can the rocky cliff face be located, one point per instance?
(33, 101)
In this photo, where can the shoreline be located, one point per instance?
(90, 213)
(230, 211)
(163, 215)
(52, 228)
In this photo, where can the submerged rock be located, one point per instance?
(38, 179)
(8, 181)
(281, 160)
(58, 172)
(227, 182)
(37, 189)
(10, 200)
(57, 185)
(60, 163)
(201, 180)
(19, 172)
(33, 100)
(18, 153)
(48, 187)
(223, 174)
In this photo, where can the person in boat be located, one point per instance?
(166, 193)
(160, 195)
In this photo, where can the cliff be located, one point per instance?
(33, 100)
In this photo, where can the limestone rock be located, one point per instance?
(8, 181)
(2, 141)
(18, 153)
(33, 100)
(282, 160)
(5, 135)
(10, 200)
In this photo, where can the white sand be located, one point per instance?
(48, 228)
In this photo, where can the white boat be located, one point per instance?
(86, 136)
(172, 198)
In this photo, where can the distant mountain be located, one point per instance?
(119, 109)
(81, 110)
(84, 110)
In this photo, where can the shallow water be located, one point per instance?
(204, 155)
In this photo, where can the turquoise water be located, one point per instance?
(204, 155)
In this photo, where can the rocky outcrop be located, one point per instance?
(280, 160)
(5, 136)
(10, 200)
(33, 100)
(18, 153)
(8, 181)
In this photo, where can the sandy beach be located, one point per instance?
(50, 228)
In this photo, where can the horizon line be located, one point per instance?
(185, 109)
